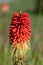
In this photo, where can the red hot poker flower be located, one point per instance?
(20, 28)
(5, 7)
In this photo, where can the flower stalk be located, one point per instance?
(20, 33)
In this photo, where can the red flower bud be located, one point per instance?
(20, 28)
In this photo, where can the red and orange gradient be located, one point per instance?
(20, 28)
